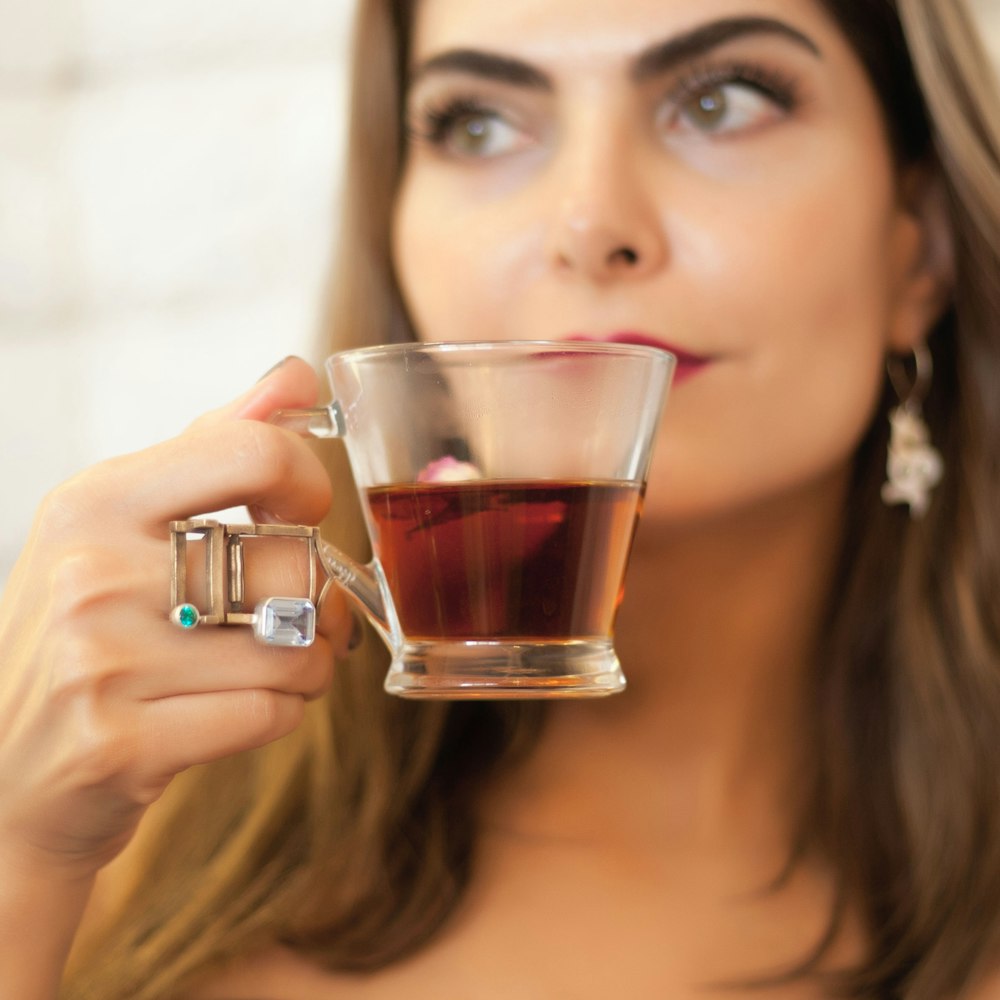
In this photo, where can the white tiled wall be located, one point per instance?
(168, 172)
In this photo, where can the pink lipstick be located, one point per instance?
(688, 364)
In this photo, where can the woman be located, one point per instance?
(798, 794)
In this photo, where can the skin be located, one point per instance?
(784, 246)
(719, 223)
(102, 700)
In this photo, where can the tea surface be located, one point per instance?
(503, 559)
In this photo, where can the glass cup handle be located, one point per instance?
(358, 582)
(320, 422)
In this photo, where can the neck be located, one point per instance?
(711, 740)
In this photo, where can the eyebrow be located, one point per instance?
(654, 61)
(663, 57)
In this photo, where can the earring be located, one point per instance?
(914, 466)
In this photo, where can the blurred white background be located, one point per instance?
(168, 176)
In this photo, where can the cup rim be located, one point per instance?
(439, 347)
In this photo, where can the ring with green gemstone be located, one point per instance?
(185, 615)
(277, 621)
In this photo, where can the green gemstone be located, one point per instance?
(187, 615)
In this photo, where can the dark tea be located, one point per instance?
(495, 559)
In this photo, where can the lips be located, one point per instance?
(688, 364)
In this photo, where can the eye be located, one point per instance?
(467, 129)
(726, 101)
(481, 135)
(727, 108)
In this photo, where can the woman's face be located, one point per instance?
(710, 174)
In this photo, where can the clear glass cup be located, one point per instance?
(501, 485)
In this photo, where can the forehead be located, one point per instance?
(561, 30)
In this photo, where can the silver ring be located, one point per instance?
(276, 621)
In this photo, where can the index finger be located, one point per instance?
(222, 460)
(235, 464)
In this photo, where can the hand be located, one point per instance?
(102, 699)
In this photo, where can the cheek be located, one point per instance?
(798, 292)
(809, 259)
(807, 246)
(462, 262)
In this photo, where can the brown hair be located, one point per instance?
(909, 689)
(352, 839)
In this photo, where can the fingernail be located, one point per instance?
(274, 368)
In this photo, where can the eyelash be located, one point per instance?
(773, 84)
(435, 122)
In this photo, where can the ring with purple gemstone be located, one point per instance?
(276, 621)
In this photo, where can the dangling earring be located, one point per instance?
(914, 465)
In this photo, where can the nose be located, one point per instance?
(606, 226)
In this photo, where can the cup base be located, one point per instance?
(499, 670)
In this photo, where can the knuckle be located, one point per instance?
(82, 666)
(84, 578)
(85, 497)
(266, 713)
(202, 422)
(263, 452)
(66, 505)
(148, 788)
(319, 689)
(316, 672)
(96, 751)
(263, 710)
(101, 756)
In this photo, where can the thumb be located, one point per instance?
(290, 384)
